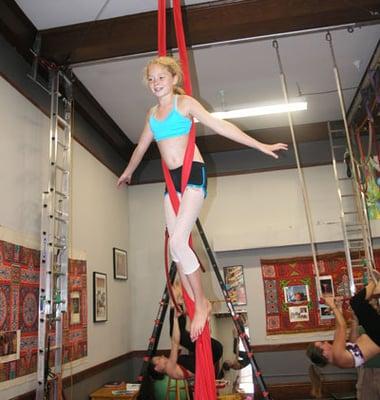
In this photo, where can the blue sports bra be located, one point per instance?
(174, 125)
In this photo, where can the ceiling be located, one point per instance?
(231, 68)
(248, 75)
(47, 14)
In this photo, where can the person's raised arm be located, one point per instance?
(145, 140)
(354, 329)
(341, 357)
(172, 368)
(175, 339)
(228, 130)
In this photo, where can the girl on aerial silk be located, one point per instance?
(169, 123)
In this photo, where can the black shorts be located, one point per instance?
(188, 361)
(197, 178)
(368, 318)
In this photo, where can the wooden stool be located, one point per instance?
(106, 394)
(177, 388)
(234, 396)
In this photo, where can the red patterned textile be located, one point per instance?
(19, 293)
(290, 292)
(75, 329)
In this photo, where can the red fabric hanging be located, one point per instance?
(205, 387)
(204, 373)
(189, 154)
(161, 27)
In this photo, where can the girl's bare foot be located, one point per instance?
(201, 315)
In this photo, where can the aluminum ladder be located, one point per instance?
(353, 211)
(154, 339)
(53, 295)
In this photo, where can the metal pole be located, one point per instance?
(299, 169)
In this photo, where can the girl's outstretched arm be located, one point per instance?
(145, 140)
(226, 129)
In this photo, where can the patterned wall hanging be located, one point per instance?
(19, 292)
(290, 292)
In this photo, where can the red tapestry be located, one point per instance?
(19, 293)
(290, 292)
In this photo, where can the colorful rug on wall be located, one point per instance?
(290, 292)
(19, 298)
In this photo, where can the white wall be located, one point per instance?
(146, 242)
(267, 209)
(22, 144)
(99, 221)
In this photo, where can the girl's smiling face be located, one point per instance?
(160, 81)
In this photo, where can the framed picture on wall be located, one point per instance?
(100, 297)
(120, 265)
(234, 279)
(75, 308)
(9, 346)
(325, 312)
(327, 287)
(298, 314)
(296, 293)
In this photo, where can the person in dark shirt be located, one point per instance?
(181, 366)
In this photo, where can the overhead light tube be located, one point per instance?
(261, 110)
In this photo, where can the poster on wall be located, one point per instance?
(234, 279)
(298, 314)
(100, 297)
(296, 293)
(120, 266)
(326, 285)
(325, 312)
(371, 175)
(75, 308)
(9, 346)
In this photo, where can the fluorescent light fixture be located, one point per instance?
(261, 110)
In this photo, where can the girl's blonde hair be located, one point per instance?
(172, 65)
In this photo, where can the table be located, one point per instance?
(106, 394)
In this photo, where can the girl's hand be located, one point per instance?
(124, 178)
(270, 149)
(177, 313)
(330, 301)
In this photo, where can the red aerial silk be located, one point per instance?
(204, 369)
